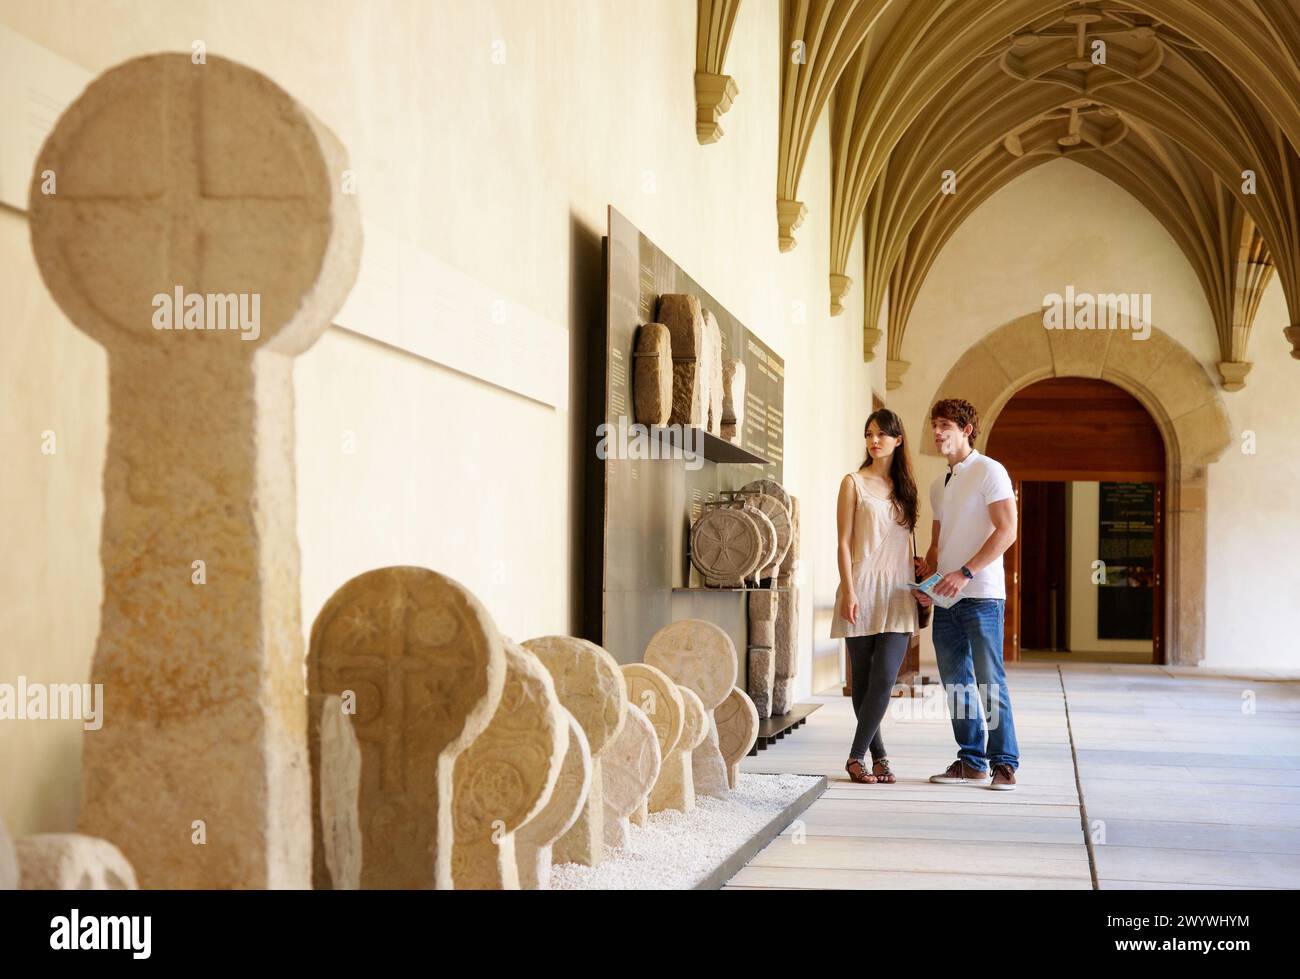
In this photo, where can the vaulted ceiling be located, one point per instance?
(1192, 106)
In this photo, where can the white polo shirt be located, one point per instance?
(962, 509)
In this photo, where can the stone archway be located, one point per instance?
(1169, 382)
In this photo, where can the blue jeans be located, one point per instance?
(968, 646)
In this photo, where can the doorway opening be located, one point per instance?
(1085, 578)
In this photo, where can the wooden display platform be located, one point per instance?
(773, 729)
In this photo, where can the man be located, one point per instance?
(974, 507)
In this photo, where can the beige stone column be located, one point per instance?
(1185, 571)
(190, 218)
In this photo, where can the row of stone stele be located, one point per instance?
(680, 377)
(433, 734)
(442, 754)
(430, 733)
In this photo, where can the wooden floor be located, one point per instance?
(1182, 786)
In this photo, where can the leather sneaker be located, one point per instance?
(1004, 778)
(959, 773)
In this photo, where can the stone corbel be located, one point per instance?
(1234, 374)
(789, 215)
(840, 285)
(894, 371)
(1293, 335)
(713, 96)
(870, 337)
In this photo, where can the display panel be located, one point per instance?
(649, 504)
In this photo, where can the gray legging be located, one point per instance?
(874, 661)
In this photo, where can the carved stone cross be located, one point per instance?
(191, 219)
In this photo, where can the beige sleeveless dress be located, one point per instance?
(881, 549)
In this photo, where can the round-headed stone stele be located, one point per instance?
(180, 203)
(569, 794)
(697, 654)
(695, 721)
(737, 722)
(654, 692)
(589, 684)
(632, 764)
(769, 487)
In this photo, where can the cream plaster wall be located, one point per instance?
(503, 171)
(1063, 224)
(54, 379)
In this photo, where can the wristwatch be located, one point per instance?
(967, 571)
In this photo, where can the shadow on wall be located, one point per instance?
(586, 402)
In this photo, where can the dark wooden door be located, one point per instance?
(1043, 550)
(1078, 429)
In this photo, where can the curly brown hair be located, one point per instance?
(960, 413)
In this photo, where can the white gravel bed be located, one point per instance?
(677, 850)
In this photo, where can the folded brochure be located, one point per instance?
(927, 587)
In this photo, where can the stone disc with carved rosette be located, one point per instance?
(726, 546)
(697, 654)
(507, 774)
(770, 487)
(779, 514)
(534, 839)
(766, 530)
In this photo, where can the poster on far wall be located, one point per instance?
(1126, 545)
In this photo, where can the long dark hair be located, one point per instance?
(900, 469)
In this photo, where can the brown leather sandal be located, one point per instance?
(859, 774)
(880, 769)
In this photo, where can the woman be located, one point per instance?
(875, 612)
